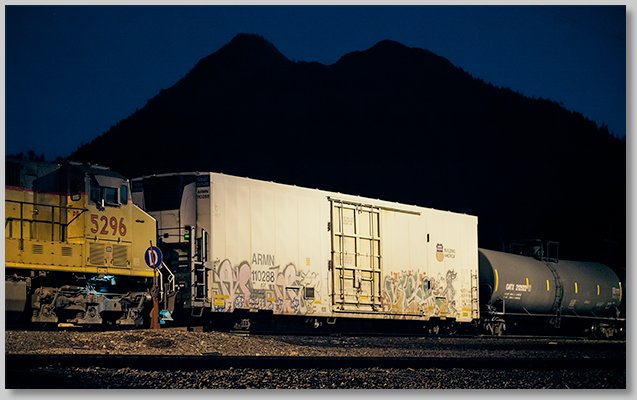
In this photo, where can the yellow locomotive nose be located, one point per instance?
(68, 229)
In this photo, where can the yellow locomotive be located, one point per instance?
(74, 246)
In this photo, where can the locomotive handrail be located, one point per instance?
(170, 281)
(51, 221)
(45, 205)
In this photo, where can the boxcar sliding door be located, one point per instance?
(356, 256)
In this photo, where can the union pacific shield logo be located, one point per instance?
(439, 252)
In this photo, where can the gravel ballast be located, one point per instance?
(180, 341)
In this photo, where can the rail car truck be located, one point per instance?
(74, 246)
(239, 246)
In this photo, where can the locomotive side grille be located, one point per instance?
(38, 249)
(96, 254)
(120, 256)
(67, 251)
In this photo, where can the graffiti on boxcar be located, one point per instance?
(414, 292)
(284, 290)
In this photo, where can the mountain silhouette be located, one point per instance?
(391, 122)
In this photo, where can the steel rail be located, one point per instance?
(15, 362)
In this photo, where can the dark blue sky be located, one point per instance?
(72, 72)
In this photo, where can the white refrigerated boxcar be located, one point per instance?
(236, 243)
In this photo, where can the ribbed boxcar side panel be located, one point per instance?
(269, 247)
(299, 251)
(452, 252)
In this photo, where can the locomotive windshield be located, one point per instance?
(108, 190)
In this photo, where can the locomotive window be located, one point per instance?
(76, 190)
(123, 194)
(110, 195)
(96, 194)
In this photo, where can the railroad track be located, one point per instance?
(311, 333)
(15, 362)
